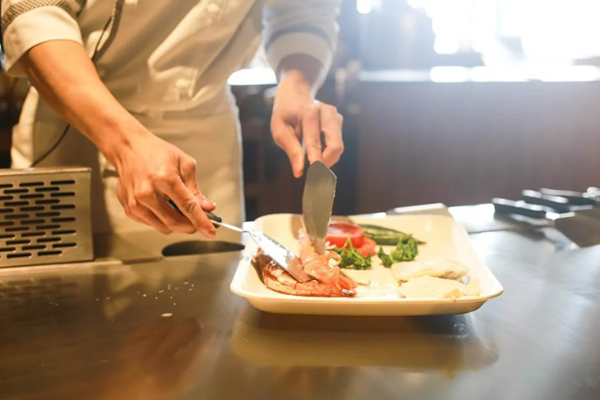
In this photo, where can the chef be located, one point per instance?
(137, 90)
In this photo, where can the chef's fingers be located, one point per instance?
(188, 205)
(121, 196)
(331, 125)
(137, 213)
(286, 138)
(187, 168)
(311, 132)
(147, 197)
(146, 216)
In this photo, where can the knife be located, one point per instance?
(317, 203)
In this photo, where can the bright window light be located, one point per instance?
(364, 6)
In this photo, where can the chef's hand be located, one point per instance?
(298, 117)
(152, 171)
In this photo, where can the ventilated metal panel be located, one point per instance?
(45, 216)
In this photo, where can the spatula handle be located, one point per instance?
(504, 206)
(212, 216)
(574, 198)
(558, 203)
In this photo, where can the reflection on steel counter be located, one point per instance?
(447, 344)
(107, 330)
(102, 331)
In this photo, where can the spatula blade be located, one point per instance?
(317, 203)
(281, 255)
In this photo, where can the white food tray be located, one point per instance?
(444, 238)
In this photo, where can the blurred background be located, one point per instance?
(453, 101)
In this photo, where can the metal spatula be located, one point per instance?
(279, 253)
(317, 203)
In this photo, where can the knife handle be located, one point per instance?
(574, 198)
(505, 206)
(212, 216)
(560, 204)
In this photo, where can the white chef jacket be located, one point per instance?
(167, 62)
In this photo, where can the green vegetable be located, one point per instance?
(406, 249)
(385, 258)
(352, 259)
(384, 236)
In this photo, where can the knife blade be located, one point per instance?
(317, 203)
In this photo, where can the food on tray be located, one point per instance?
(352, 248)
(435, 267)
(428, 286)
(384, 236)
(350, 258)
(341, 234)
(406, 249)
(350, 241)
(328, 280)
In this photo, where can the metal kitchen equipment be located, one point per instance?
(317, 203)
(580, 227)
(563, 201)
(574, 198)
(279, 253)
(558, 203)
(45, 216)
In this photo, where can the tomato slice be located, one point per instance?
(338, 233)
(368, 247)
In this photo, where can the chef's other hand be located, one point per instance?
(297, 117)
(152, 171)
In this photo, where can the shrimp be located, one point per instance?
(279, 280)
(319, 265)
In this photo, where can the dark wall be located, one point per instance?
(464, 143)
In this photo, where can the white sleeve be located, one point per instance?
(27, 23)
(301, 27)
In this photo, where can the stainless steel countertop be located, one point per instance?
(171, 329)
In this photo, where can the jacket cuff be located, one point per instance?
(299, 43)
(34, 27)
